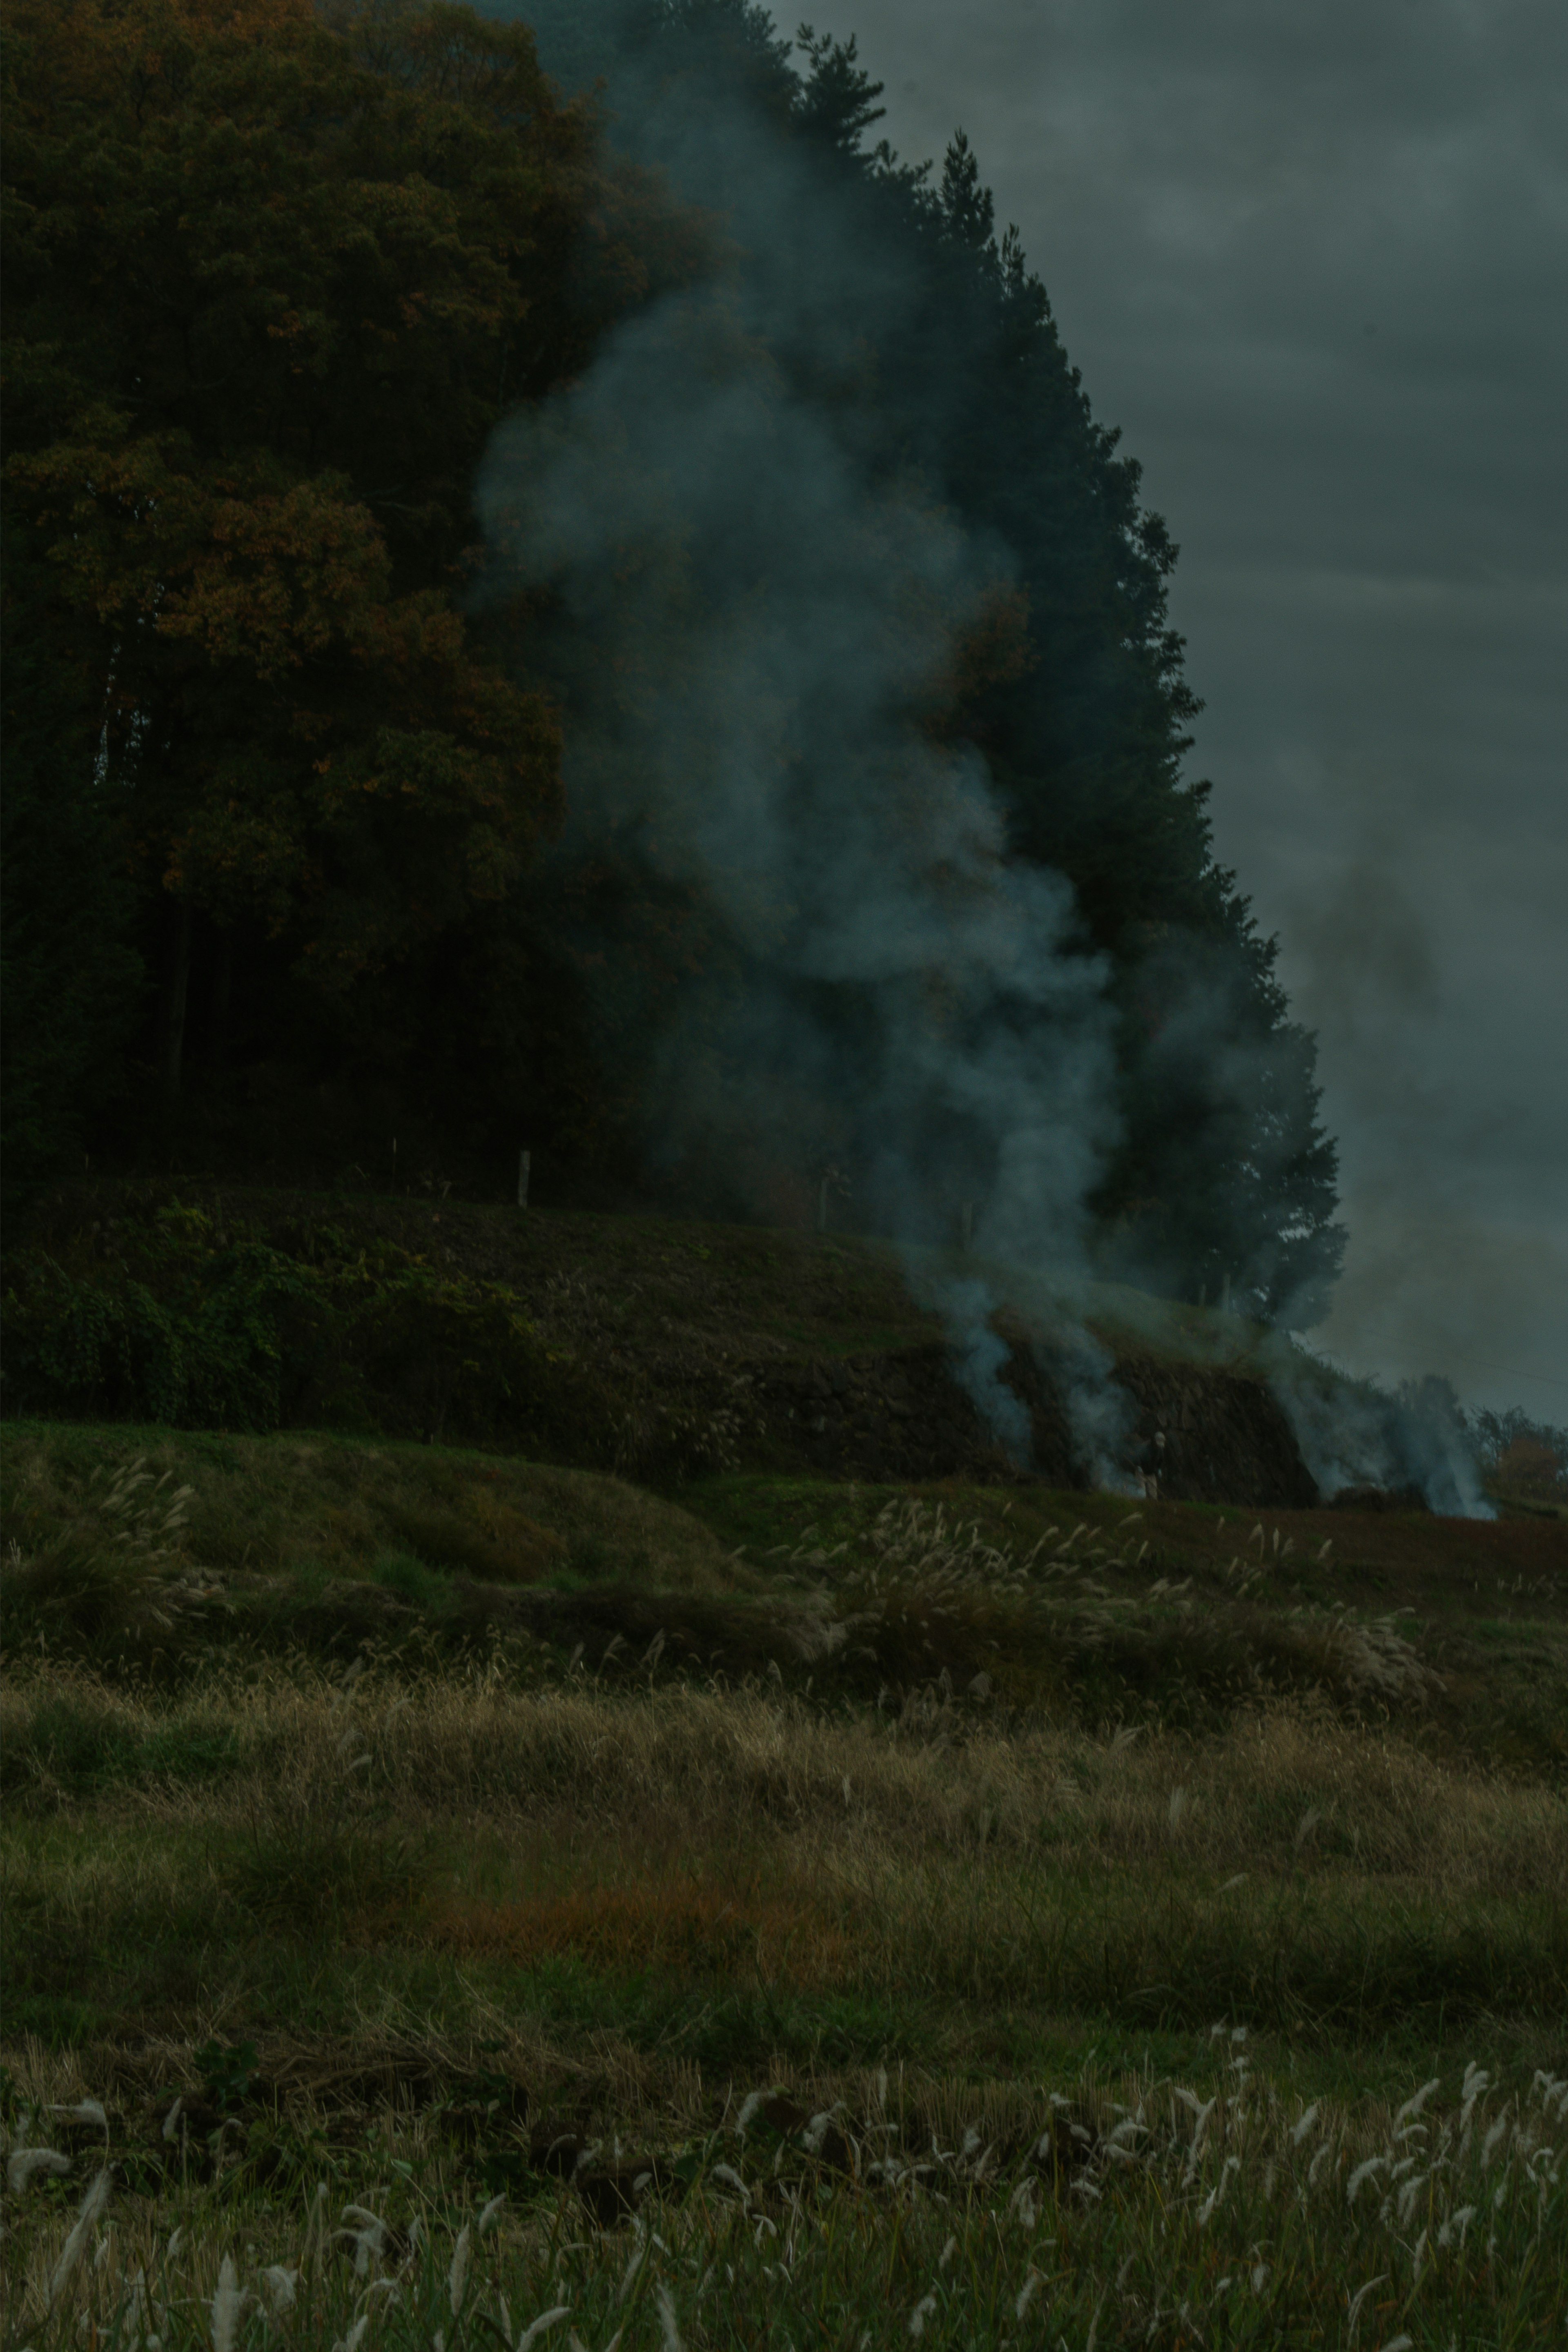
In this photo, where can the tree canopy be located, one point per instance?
(277, 275)
(270, 283)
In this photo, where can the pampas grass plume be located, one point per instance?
(91, 2206)
(537, 2328)
(228, 2301)
(457, 2278)
(25, 2161)
(280, 2286)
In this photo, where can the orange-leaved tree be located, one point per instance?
(274, 272)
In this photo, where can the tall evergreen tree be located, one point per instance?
(888, 299)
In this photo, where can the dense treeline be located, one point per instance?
(297, 849)
(270, 285)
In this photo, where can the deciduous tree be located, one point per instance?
(272, 276)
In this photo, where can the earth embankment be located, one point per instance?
(656, 1347)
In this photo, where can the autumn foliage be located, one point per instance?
(273, 277)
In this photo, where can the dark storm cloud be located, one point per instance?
(1315, 263)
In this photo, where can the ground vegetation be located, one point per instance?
(379, 1951)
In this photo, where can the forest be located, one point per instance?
(558, 595)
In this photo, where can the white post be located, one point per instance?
(524, 1162)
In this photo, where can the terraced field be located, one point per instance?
(448, 1892)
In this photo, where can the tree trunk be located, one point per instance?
(218, 1004)
(175, 1009)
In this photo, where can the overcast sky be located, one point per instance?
(1314, 262)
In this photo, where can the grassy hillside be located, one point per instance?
(442, 1826)
(1080, 1603)
(804, 1869)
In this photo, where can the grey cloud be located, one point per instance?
(1369, 944)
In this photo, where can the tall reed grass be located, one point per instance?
(1140, 2211)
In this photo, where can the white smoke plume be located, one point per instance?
(780, 622)
(1355, 1434)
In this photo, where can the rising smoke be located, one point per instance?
(781, 620)
(779, 616)
(1413, 1441)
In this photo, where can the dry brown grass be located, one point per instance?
(665, 1922)
(695, 1775)
(701, 1760)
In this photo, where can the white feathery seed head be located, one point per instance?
(228, 2303)
(1353, 2311)
(86, 2111)
(24, 2162)
(279, 2286)
(457, 2276)
(1457, 2221)
(1413, 2107)
(91, 2206)
(543, 2325)
(1217, 2194)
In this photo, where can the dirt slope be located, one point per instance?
(664, 1349)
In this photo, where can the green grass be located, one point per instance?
(82, 1752)
(318, 1501)
(701, 1798)
(675, 1846)
(1172, 1614)
(427, 1589)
